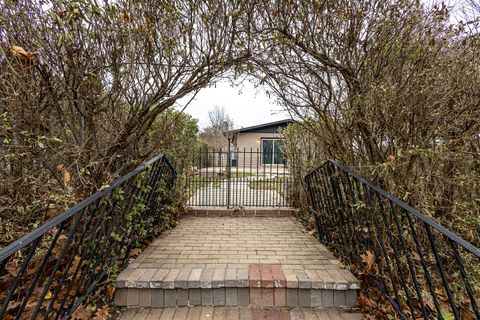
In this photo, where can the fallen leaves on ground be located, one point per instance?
(134, 252)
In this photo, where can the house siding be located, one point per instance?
(250, 141)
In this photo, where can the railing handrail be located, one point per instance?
(58, 219)
(432, 223)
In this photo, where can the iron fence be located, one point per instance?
(422, 269)
(238, 178)
(50, 271)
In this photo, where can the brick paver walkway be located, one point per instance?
(236, 261)
(238, 313)
(236, 243)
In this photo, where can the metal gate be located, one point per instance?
(238, 178)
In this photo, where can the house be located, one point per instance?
(260, 145)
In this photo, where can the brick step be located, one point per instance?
(240, 313)
(241, 212)
(258, 297)
(259, 285)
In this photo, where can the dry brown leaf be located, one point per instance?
(429, 304)
(134, 252)
(12, 269)
(65, 173)
(470, 235)
(102, 313)
(52, 210)
(415, 256)
(369, 259)
(66, 177)
(21, 53)
(81, 314)
(110, 291)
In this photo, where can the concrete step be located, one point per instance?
(240, 313)
(259, 285)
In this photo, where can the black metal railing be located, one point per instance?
(50, 271)
(422, 269)
(238, 178)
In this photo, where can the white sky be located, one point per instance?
(245, 104)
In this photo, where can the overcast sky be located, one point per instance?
(246, 105)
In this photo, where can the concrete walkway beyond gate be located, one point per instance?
(236, 261)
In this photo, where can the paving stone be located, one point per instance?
(256, 296)
(144, 280)
(206, 278)
(170, 297)
(157, 279)
(132, 297)
(182, 279)
(218, 279)
(243, 295)
(195, 297)
(231, 296)
(123, 276)
(327, 298)
(267, 297)
(353, 283)
(169, 280)
(154, 314)
(266, 276)
(328, 282)
(292, 297)
(207, 297)
(316, 298)
(207, 313)
(181, 314)
(242, 278)
(194, 278)
(246, 314)
(230, 277)
(304, 297)
(220, 313)
(280, 299)
(157, 298)
(316, 281)
(254, 276)
(339, 299)
(129, 315)
(290, 278)
(303, 280)
(120, 298)
(339, 282)
(168, 314)
(219, 298)
(278, 276)
(145, 297)
(131, 281)
(233, 313)
(351, 298)
(182, 297)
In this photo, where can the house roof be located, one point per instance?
(262, 127)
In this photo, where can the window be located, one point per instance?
(272, 151)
